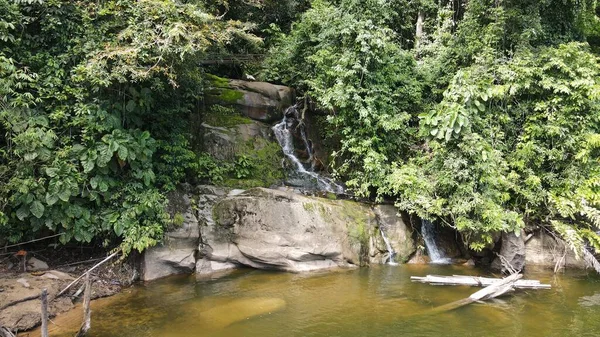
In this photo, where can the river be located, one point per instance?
(375, 301)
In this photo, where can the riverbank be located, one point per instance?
(53, 270)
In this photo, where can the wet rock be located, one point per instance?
(543, 250)
(469, 262)
(34, 264)
(397, 232)
(512, 251)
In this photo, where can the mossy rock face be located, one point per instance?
(259, 101)
(251, 140)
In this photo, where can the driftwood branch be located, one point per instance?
(21, 300)
(87, 272)
(87, 313)
(476, 281)
(4, 332)
(44, 313)
(496, 289)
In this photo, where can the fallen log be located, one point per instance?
(497, 288)
(476, 281)
(4, 332)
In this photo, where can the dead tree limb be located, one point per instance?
(4, 332)
(87, 272)
(494, 290)
(44, 313)
(87, 313)
(476, 281)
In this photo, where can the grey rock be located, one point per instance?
(397, 232)
(34, 264)
(512, 250)
(260, 101)
(270, 229)
(225, 143)
(544, 251)
(177, 254)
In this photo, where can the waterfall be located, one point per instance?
(428, 232)
(389, 248)
(285, 138)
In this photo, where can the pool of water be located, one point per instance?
(375, 301)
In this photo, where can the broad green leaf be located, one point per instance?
(37, 209)
(23, 212)
(122, 152)
(52, 172)
(51, 199)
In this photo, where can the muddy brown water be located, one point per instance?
(376, 301)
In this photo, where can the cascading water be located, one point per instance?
(389, 248)
(428, 232)
(284, 136)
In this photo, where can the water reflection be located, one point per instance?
(376, 301)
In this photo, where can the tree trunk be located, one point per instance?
(419, 29)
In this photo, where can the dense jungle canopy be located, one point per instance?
(482, 114)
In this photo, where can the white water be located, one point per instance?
(389, 248)
(435, 254)
(285, 138)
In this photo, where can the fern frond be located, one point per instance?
(592, 237)
(570, 235)
(592, 214)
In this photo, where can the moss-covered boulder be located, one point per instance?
(252, 141)
(259, 101)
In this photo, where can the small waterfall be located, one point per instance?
(428, 232)
(285, 137)
(389, 248)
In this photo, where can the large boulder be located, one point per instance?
(545, 251)
(260, 101)
(177, 253)
(271, 229)
(512, 253)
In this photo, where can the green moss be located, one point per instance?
(309, 206)
(331, 196)
(230, 95)
(178, 220)
(216, 81)
(266, 158)
(222, 116)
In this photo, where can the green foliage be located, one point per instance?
(489, 126)
(94, 98)
(348, 58)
